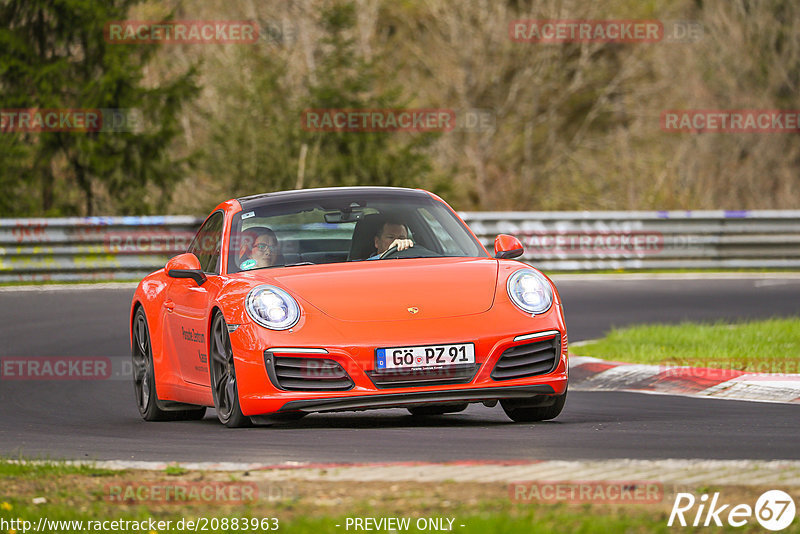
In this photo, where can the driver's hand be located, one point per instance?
(402, 244)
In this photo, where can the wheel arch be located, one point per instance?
(212, 313)
(135, 306)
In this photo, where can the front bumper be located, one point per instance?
(413, 398)
(492, 333)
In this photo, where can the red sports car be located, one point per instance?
(350, 298)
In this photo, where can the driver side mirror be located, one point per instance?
(507, 247)
(186, 266)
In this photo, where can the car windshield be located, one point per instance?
(341, 228)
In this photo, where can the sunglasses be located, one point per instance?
(263, 246)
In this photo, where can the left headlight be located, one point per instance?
(530, 291)
(272, 307)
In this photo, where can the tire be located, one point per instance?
(144, 381)
(520, 413)
(438, 409)
(223, 376)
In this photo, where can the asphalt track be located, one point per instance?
(98, 419)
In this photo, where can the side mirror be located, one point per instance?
(507, 247)
(186, 266)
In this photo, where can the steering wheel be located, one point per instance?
(417, 251)
(388, 252)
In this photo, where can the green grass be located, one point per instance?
(175, 470)
(536, 519)
(771, 346)
(31, 469)
(544, 519)
(59, 491)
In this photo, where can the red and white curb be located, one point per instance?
(592, 374)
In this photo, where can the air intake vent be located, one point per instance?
(401, 378)
(531, 359)
(293, 373)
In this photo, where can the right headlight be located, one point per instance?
(272, 307)
(530, 291)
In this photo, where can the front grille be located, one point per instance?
(408, 378)
(293, 373)
(531, 359)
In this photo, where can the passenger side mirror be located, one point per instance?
(186, 266)
(507, 247)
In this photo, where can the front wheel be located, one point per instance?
(223, 377)
(520, 410)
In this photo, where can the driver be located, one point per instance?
(391, 233)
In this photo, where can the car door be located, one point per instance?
(187, 304)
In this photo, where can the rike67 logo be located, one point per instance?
(774, 510)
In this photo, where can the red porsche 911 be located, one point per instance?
(349, 298)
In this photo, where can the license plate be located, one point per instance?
(425, 356)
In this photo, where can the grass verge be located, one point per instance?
(22, 469)
(56, 492)
(770, 346)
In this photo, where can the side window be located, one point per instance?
(207, 243)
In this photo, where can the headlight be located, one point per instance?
(530, 291)
(272, 307)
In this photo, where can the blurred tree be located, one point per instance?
(56, 56)
(258, 142)
(345, 79)
(18, 197)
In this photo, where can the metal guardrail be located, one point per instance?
(631, 240)
(90, 248)
(126, 248)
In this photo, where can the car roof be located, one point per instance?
(253, 201)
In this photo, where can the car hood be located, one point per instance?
(400, 289)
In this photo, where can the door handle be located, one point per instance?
(169, 305)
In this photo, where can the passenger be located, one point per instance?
(260, 248)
